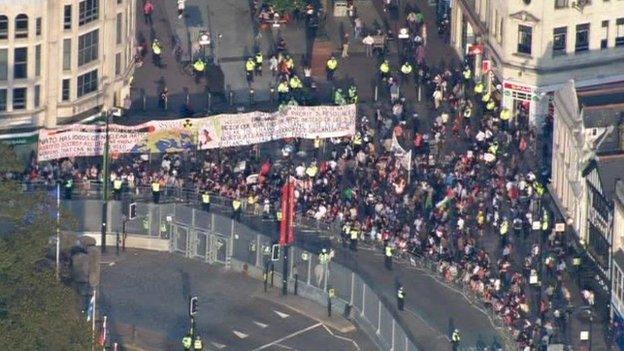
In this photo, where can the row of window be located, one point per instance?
(86, 83)
(88, 11)
(560, 38)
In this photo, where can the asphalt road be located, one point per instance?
(145, 296)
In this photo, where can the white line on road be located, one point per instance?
(241, 335)
(217, 345)
(261, 325)
(288, 337)
(357, 347)
(281, 314)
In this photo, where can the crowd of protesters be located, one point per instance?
(466, 179)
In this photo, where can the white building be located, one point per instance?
(587, 172)
(63, 59)
(533, 47)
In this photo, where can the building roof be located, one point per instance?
(601, 95)
(610, 169)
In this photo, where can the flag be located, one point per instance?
(102, 340)
(91, 308)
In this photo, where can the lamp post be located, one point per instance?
(105, 177)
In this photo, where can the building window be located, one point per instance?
(87, 83)
(37, 96)
(598, 246)
(525, 34)
(561, 4)
(559, 40)
(38, 26)
(118, 63)
(67, 17)
(88, 47)
(21, 26)
(4, 64)
(37, 60)
(4, 27)
(119, 28)
(88, 11)
(67, 54)
(65, 90)
(20, 63)
(19, 98)
(604, 42)
(3, 99)
(619, 35)
(582, 38)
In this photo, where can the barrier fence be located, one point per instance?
(215, 238)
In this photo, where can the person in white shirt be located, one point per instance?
(181, 7)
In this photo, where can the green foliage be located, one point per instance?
(36, 311)
(10, 161)
(286, 5)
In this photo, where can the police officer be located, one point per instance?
(259, 58)
(339, 97)
(198, 345)
(517, 226)
(478, 89)
(505, 116)
(467, 74)
(250, 67)
(346, 232)
(236, 209)
(406, 69)
(199, 66)
(400, 298)
(545, 222)
(282, 91)
(117, 184)
(205, 198)
(455, 339)
(388, 252)
(295, 86)
(384, 70)
(354, 233)
(187, 342)
(157, 52)
(69, 187)
(330, 67)
(352, 94)
(156, 191)
(504, 231)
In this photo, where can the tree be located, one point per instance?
(37, 312)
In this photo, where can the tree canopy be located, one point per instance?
(37, 312)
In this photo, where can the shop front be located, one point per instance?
(521, 99)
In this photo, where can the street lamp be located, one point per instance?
(106, 168)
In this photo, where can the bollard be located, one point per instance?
(252, 97)
(188, 98)
(231, 97)
(296, 284)
(209, 102)
(272, 93)
(376, 97)
(419, 93)
(347, 311)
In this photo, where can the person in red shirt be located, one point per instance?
(148, 8)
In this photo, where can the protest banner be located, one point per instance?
(225, 130)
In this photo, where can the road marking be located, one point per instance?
(261, 325)
(357, 347)
(288, 337)
(240, 335)
(281, 314)
(217, 345)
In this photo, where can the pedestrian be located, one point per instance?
(401, 298)
(353, 235)
(259, 58)
(358, 27)
(345, 46)
(250, 67)
(148, 8)
(206, 201)
(187, 342)
(198, 345)
(181, 7)
(236, 209)
(368, 42)
(455, 339)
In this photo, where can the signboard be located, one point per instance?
(486, 66)
(476, 49)
(560, 227)
(308, 122)
(518, 87)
